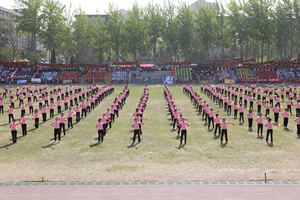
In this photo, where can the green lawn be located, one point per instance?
(157, 157)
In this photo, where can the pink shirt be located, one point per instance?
(297, 120)
(285, 114)
(136, 125)
(55, 124)
(23, 120)
(184, 125)
(269, 125)
(260, 120)
(70, 114)
(13, 126)
(62, 120)
(35, 115)
(217, 120)
(224, 125)
(100, 126)
(250, 115)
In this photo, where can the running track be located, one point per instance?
(194, 192)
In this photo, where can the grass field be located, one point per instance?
(157, 157)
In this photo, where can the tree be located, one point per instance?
(154, 26)
(30, 21)
(135, 31)
(53, 26)
(185, 24)
(115, 26)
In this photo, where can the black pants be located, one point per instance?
(285, 122)
(23, 112)
(241, 117)
(267, 112)
(183, 135)
(77, 116)
(136, 134)
(30, 109)
(24, 129)
(174, 122)
(70, 122)
(250, 122)
(100, 135)
(59, 109)
(229, 110)
(269, 133)
(235, 113)
(224, 134)
(62, 127)
(258, 108)
(1, 110)
(10, 117)
(298, 130)
(36, 122)
(259, 129)
(211, 121)
(276, 116)
(289, 108)
(51, 113)
(44, 115)
(57, 134)
(217, 128)
(14, 136)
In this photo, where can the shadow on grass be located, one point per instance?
(50, 145)
(132, 145)
(6, 146)
(4, 124)
(96, 144)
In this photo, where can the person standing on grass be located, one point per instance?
(218, 126)
(56, 128)
(224, 126)
(269, 127)
(23, 109)
(51, 106)
(211, 119)
(235, 110)
(100, 129)
(289, 105)
(14, 131)
(70, 118)
(184, 125)
(62, 122)
(77, 110)
(241, 111)
(10, 114)
(36, 119)
(259, 103)
(136, 130)
(23, 122)
(44, 113)
(276, 111)
(250, 120)
(297, 121)
(30, 103)
(260, 121)
(267, 107)
(285, 116)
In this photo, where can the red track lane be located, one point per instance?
(248, 192)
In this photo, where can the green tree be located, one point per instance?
(185, 23)
(53, 27)
(30, 21)
(135, 31)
